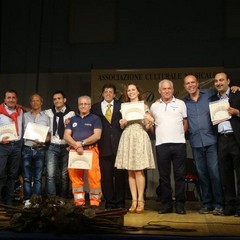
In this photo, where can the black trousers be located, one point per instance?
(113, 182)
(229, 161)
(166, 154)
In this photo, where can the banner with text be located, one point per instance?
(148, 80)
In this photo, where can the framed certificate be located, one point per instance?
(84, 161)
(36, 131)
(8, 130)
(133, 110)
(218, 111)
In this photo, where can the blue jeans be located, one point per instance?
(57, 166)
(32, 168)
(206, 159)
(10, 155)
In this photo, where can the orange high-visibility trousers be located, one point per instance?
(94, 177)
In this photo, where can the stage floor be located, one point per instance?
(152, 225)
(191, 224)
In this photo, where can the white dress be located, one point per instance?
(135, 149)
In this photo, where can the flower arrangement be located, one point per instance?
(54, 215)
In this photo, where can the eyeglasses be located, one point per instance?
(84, 104)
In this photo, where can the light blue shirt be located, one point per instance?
(225, 127)
(41, 119)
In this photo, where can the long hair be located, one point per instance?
(141, 96)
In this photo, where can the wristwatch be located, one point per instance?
(82, 143)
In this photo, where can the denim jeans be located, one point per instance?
(206, 159)
(32, 168)
(10, 155)
(57, 169)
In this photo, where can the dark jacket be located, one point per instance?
(108, 144)
(234, 101)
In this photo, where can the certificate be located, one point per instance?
(218, 111)
(133, 110)
(84, 161)
(8, 130)
(36, 131)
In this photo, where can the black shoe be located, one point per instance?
(180, 210)
(179, 206)
(237, 213)
(229, 211)
(166, 208)
(119, 206)
(94, 207)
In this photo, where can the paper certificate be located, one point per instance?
(78, 161)
(218, 111)
(133, 110)
(8, 130)
(36, 131)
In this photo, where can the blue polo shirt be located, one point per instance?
(202, 132)
(83, 127)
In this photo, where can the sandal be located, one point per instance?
(140, 207)
(133, 208)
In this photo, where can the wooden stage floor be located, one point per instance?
(151, 225)
(191, 224)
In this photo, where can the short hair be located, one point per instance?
(85, 96)
(109, 85)
(36, 94)
(59, 92)
(227, 76)
(10, 91)
(163, 81)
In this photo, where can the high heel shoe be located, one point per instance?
(133, 208)
(140, 207)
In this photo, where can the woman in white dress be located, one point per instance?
(135, 149)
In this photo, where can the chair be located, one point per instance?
(192, 179)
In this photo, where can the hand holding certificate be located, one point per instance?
(133, 110)
(36, 131)
(83, 161)
(8, 130)
(219, 111)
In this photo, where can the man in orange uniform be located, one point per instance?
(82, 133)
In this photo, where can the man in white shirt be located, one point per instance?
(10, 150)
(57, 154)
(170, 117)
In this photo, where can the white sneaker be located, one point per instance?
(27, 204)
(36, 205)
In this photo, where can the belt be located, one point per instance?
(36, 147)
(12, 143)
(227, 134)
(59, 145)
(89, 146)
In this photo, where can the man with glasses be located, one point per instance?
(82, 133)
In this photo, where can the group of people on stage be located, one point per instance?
(122, 147)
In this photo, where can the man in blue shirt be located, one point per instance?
(203, 140)
(82, 133)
